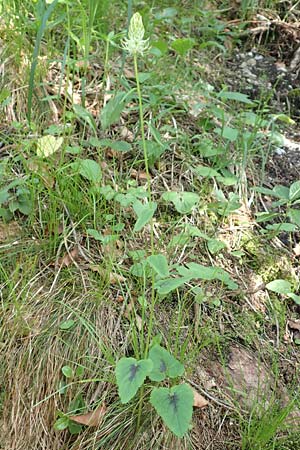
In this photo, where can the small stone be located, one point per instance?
(251, 62)
(279, 151)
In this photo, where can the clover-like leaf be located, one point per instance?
(174, 406)
(164, 364)
(130, 375)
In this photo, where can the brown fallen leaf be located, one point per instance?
(139, 175)
(199, 400)
(91, 419)
(68, 258)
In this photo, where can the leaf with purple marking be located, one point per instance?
(164, 364)
(174, 406)
(130, 375)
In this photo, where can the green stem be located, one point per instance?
(142, 126)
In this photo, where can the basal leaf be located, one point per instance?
(47, 145)
(144, 212)
(112, 110)
(280, 286)
(170, 284)
(184, 202)
(159, 263)
(183, 45)
(130, 375)
(174, 406)
(90, 169)
(164, 364)
(294, 192)
(85, 116)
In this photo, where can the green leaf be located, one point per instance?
(294, 215)
(227, 133)
(184, 202)
(67, 371)
(112, 110)
(214, 246)
(4, 196)
(95, 234)
(89, 169)
(170, 284)
(67, 324)
(119, 146)
(130, 375)
(280, 286)
(85, 116)
(144, 213)
(295, 297)
(294, 192)
(160, 264)
(286, 226)
(183, 45)
(204, 171)
(237, 96)
(174, 406)
(62, 423)
(164, 364)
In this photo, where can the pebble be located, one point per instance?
(279, 151)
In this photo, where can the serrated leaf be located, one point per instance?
(130, 375)
(95, 234)
(164, 364)
(159, 263)
(112, 110)
(294, 192)
(279, 286)
(184, 202)
(90, 169)
(47, 145)
(144, 213)
(174, 406)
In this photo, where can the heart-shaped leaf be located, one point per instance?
(130, 375)
(175, 407)
(47, 145)
(164, 364)
(89, 169)
(184, 202)
(159, 263)
(144, 213)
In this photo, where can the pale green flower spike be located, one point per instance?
(135, 43)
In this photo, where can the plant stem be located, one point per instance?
(142, 126)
